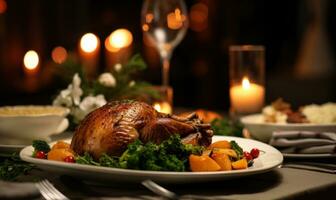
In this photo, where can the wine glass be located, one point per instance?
(165, 23)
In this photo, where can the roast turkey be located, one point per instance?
(110, 128)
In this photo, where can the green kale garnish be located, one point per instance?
(86, 159)
(108, 161)
(170, 155)
(227, 127)
(40, 145)
(237, 149)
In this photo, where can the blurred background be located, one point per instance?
(299, 37)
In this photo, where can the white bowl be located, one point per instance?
(31, 122)
(262, 130)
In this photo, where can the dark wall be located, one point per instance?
(199, 66)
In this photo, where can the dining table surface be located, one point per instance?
(279, 183)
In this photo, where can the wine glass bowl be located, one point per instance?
(165, 23)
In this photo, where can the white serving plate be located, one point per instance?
(262, 130)
(20, 129)
(270, 159)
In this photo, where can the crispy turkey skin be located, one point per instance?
(110, 128)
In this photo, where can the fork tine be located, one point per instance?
(53, 190)
(44, 192)
(49, 192)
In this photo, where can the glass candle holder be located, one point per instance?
(165, 103)
(247, 78)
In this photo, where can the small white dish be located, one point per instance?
(270, 159)
(20, 124)
(262, 130)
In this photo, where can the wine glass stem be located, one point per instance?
(165, 71)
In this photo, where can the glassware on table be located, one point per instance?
(165, 23)
(247, 77)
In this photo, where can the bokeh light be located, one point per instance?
(59, 54)
(31, 60)
(3, 6)
(175, 19)
(89, 42)
(199, 17)
(120, 38)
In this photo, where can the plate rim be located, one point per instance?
(109, 170)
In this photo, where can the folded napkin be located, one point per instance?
(305, 142)
(13, 190)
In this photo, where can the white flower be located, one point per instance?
(131, 84)
(90, 103)
(78, 114)
(107, 79)
(63, 99)
(87, 105)
(117, 67)
(71, 95)
(76, 91)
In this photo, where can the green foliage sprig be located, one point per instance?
(13, 167)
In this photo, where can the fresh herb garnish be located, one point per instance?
(40, 145)
(13, 167)
(86, 159)
(170, 155)
(237, 149)
(227, 127)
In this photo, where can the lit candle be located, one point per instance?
(163, 107)
(31, 62)
(247, 97)
(31, 65)
(118, 47)
(89, 52)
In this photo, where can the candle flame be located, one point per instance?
(31, 60)
(246, 83)
(157, 107)
(120, 38)
(163, 107)
(89, 42)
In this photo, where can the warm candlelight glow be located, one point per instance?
(175, 19)
(3, 6)
(145, 27)
(247, 97)
(163, 107)
(246, 83)
(199, 17)
(108, 45)
(149, 17)
(120, 38)
(31, 60)
(59, 54)
(89, 42)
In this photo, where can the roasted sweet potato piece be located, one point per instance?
(222, 160)
(202, 163)
(61, 145)
(59, 154)
(229, 152)
(240, 164)
(223, 144)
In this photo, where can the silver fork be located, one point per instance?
(163, 192)
(48, 191)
